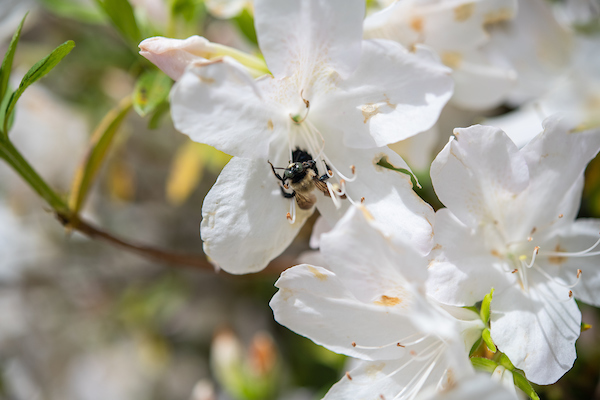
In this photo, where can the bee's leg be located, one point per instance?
(286, 194)
(276, 174)
(323, 178)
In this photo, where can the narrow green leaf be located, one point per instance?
(522, 383)
(99, 146)
(245, 23)
(483, 364)
(36, 72)
(505, 362)
(151, 89)
(485, 306)
(475, 346)
(161, 110)
(487, 338)
(384, 162)
(8, 59)
(121, 14)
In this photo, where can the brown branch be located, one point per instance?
(198, 261)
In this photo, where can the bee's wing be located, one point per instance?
(305, 201)
(321, 186)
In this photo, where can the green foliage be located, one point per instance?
(522, 383)
(74, 9)
(484, 364)
(384, 162)
(485, 307)
(245, 23)
(121, 14)
(151, 89)
(100, 144)
(5, 71)
(487, 338)
(36, 72)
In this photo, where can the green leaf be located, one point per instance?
(151, 89)
(245, 23)
(522, 383)
(161, 110)
(36, 72)
(505, 362)
(8, 59)
(81, 11)
(384, 162)
(484, 364)
(485, 335)
(121, 14)
(99, 146)
(485, 306)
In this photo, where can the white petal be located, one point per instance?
(244, 223)
(314, 302)
(538, 330)
(320, 227)
(476, 387)
(395, 379)
(309, 33)
(462, 269)
(173, 56)
(394, 94)
(556, 160)
(219, 104)
(477, 174)
(397, 210)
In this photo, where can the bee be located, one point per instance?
(303, 178)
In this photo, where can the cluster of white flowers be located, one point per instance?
(397, 284)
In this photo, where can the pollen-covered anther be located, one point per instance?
(570, 293)
(362, 199)
(578, 273)
(399, 345)
(288, 216)
(353, 169)
(348, 376)
(514, 271)
(353, 344)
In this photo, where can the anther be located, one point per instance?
(288, 216)
(570, 293)
(362, 199)
(399, 345)
(353, 169)
(330, 173)
(533, 231)
(353, 344)
(285, 186)
(514, 271)
(578, 273)
(529, 239)
(560, 215)
(348, 376)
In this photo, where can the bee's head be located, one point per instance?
(293, 170)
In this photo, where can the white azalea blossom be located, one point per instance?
(510, 224)
(458, 31)
(369, 304)
(333, 95)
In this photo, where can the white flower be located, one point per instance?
(458, 32)
(332, 95)
(369, 304)
(510, 224)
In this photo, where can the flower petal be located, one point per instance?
(244, 223)
(393, 95)
(537, 330)
(462, 270)
(218, 103)
(309, 32)
(173, 56)
(478, 173)
(315, 303)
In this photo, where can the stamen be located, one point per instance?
(536, 250)
(578, 273)
(348, 376)
(362, 200)
(584, 253)
(336, 201)
(555, 279)
(398, 343)
(291, 216)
